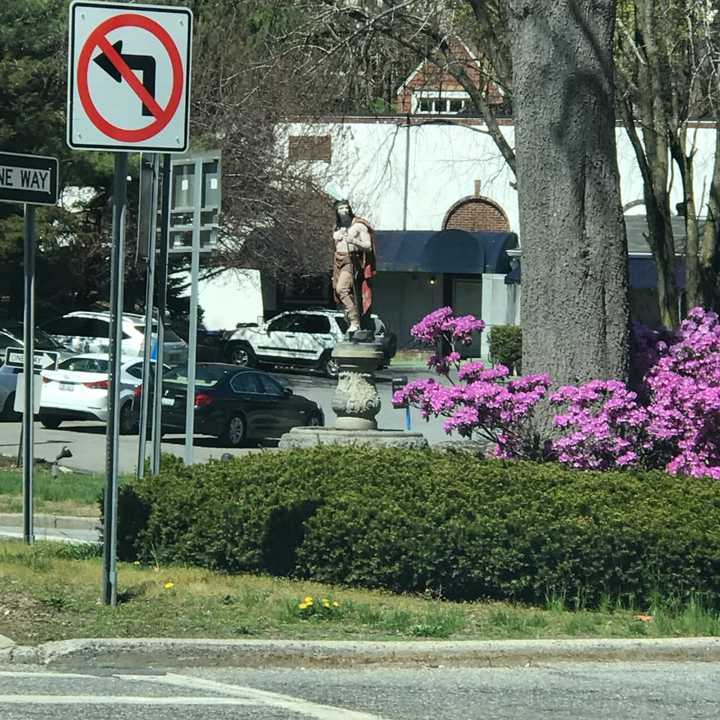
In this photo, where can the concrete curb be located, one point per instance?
(51, 522)
(268, 653)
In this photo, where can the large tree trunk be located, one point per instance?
(575, 309)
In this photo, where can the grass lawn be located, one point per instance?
(67, 494)
(50, 591)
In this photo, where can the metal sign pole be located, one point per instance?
(112, 443)
(28, 369)
(192, 337)
(162, 295)
(149, 294)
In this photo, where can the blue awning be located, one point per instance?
(642, 273)
(444, 251)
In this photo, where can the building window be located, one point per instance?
(441, 104)
(312, 148)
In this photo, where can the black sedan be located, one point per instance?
(234, 404)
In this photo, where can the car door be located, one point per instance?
(279, 338)
(312, 336)
(277, 400)
(248, 399)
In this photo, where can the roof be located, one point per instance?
(444, 251)
(456, 43)
(637, 231)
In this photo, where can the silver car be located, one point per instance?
(86, 331)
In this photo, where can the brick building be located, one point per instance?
(435, 87)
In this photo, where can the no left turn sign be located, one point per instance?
(129, 77)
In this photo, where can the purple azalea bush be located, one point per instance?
(671, 420)
(482, 401)
(668, 417)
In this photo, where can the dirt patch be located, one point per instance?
(21, 615)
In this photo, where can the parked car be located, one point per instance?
(8, 382)
(11, 335)
(234, 404)
(86, 331)
(302, 338)
(79, 389)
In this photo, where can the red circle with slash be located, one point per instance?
(98, 38)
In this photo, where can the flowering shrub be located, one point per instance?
(484, 401)
(668, 417)
(607, 428)
(672, 422)
(685, 389)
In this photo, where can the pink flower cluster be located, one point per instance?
(444, 324)
(486, 402)
(677, 424)
(684, 411)
(606, 426)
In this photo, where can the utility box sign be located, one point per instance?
(31, 179)
(129, 77)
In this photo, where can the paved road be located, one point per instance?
(561, 691)
(86, 439)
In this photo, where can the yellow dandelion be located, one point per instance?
(308, 599)
(169, 585)
(336, 604)
(326, 604)
(302, 605)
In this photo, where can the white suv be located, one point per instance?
(303, 338)
(86, 331)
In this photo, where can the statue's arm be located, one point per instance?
(360, 237)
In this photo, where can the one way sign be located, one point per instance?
(31, 179)
(129, 77)
(42, 359)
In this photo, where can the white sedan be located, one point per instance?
(79, 389)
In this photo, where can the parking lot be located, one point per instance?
(86, 439)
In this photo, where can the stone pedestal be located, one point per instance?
(302, 437)
(356, 403)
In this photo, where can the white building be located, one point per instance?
(413, 177)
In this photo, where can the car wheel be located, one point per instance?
(315, 420)
(235, 431)
(329, 366)
(51, 422)
(8, 412)
(242, 354)
(128, 422)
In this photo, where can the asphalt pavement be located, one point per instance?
(557, 691)
(86, 439)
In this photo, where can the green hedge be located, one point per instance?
(422, 520)
(505, 343)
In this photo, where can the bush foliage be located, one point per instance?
(416, 521)
(506, 346)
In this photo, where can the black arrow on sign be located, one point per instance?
(143, 63)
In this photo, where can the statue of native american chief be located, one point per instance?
(353, 269)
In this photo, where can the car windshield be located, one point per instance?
(205, 375)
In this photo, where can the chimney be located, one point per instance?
(478, 184)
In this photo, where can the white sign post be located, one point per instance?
(128, 91)
(129, 77)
